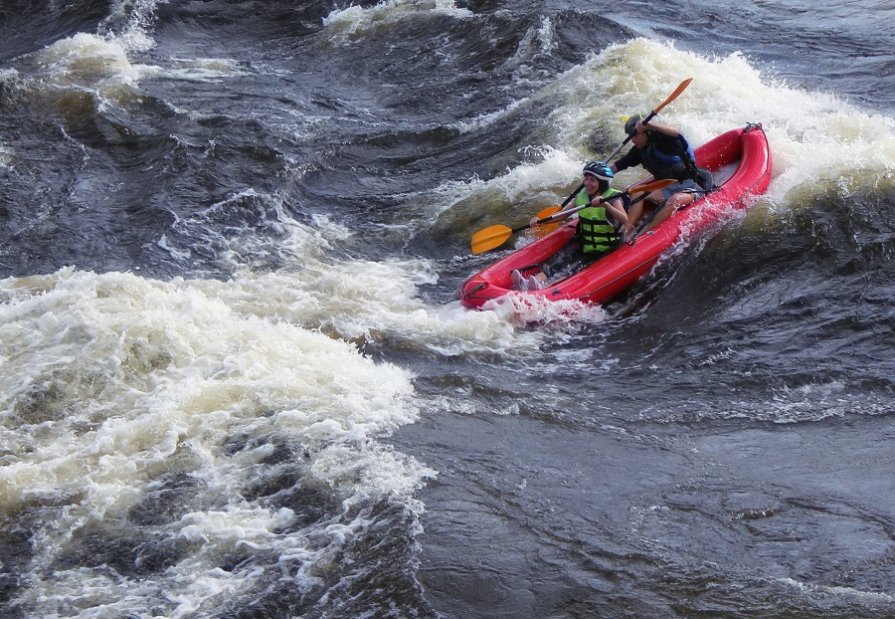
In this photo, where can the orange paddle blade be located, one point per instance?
(543, 230)
(544, 213)
(677, 91)
(651, 186)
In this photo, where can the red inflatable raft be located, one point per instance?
(741, 154)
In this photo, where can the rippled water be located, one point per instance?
(236, 380)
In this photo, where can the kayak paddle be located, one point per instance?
(494, 236)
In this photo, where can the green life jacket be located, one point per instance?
(595, 228)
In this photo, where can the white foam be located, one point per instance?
(359, 300)
(530, 309)
(117, 380)
(355, 20)
(130, 23)
(89, 61)
(101, 63)
(825, 591)
(814, 136)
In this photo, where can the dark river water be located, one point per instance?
(236, 380)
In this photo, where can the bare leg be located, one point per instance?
(634, 216)
(675, 202)
(652, 201)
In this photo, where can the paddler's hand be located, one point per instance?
(534, 221)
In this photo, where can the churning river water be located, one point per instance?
(236, 380)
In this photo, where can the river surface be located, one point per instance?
(236, 380)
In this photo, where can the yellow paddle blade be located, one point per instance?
(494, 236)
(490, 238)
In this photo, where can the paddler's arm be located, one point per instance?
(615, 208)
(660, 128)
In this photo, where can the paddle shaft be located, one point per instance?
(496, 235)
(645, 189)
(561, 206)
(581, 186)
(558, 216)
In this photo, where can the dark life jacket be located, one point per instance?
(672, 157)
